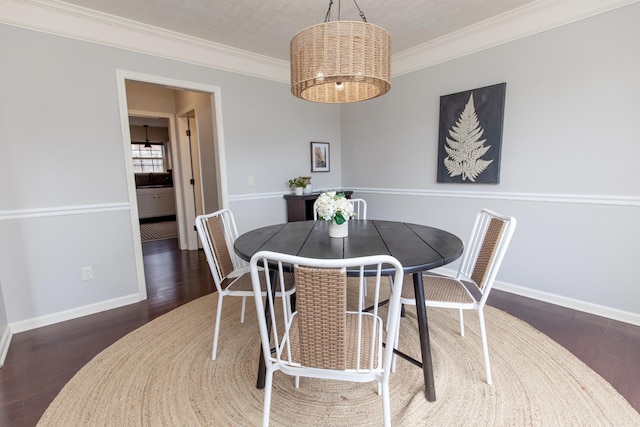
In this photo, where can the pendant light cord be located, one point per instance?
(146, 137)
(364, 18)
(327, 17)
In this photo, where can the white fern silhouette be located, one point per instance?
(465, 148)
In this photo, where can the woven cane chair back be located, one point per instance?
(490, 238)
(217, 232)
(330, 335)
(487, 247)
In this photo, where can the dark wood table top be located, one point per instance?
(417, 247)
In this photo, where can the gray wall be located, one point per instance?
(570, 155)
(569, 170)
(64, 200)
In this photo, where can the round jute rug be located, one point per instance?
(162, 374)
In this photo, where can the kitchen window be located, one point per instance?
(148, 159)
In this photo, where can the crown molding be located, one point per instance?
(527, 20)
(64, 19)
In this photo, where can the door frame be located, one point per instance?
(190, 161)
(121, 77)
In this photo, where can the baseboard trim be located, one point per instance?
(5, 341)
(574, 304)
(62, 316)
(582, 306)
(559, 300)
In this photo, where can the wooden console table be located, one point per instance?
(300, 208)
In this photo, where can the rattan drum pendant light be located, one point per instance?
(341, 61)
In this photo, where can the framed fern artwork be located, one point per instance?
(470, 136)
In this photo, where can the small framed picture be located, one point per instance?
(320, 157)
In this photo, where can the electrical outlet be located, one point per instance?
(87, 273)
(251, 180)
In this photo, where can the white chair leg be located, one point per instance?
(394, 358)
(485, 346)
(461, 316)
(386, 328)
(244, 303)
(364, 294)
(386, 405)
(297, 381)
(268, 382)
(216, 329)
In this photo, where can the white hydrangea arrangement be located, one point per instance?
(334, 207)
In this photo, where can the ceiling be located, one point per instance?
(267, 26)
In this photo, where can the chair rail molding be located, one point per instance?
(584, 199)
(496, 195)
(62, 211)
(258, 196)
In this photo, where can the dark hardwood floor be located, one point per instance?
(41, 361)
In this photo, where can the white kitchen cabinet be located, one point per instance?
(156, 201)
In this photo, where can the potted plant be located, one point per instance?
(299, 185)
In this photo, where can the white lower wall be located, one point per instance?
(558, 253)
(555, 250)
(43, 252)
(543, 220)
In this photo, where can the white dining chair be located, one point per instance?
(326, 337)
(359, 207)
(218, 232)
(480, 263)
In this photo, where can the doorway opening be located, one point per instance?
(151, 149)
(195, 151)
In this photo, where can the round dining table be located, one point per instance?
(417, 247)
